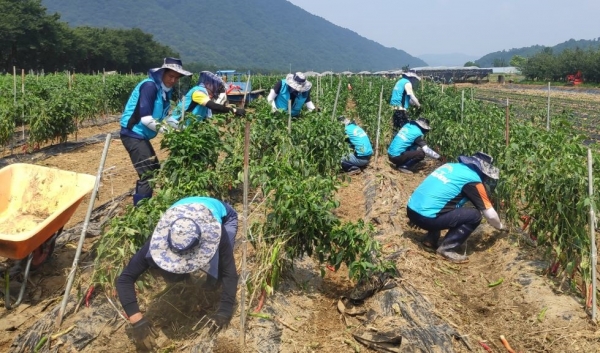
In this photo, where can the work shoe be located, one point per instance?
(353, 171)
(404, 169)
(453, 256)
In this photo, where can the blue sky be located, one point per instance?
(473, 27)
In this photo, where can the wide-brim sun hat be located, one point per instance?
(423, 123)
(483, 162)
(410, 74)
(298, 82)
(185, 239)
(172, 64)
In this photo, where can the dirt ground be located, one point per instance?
(535, 313)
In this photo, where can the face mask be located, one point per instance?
(165, 90)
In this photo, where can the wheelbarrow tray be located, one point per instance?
(35, 202)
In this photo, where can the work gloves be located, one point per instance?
(239, 111)
(143, 335)
(214, 323)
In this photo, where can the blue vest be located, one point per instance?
(199, 110)
(359, 139)
(441, 187)
(215, 206)
(281, 101)
(161, 110)
(404, 139)
(399, 96)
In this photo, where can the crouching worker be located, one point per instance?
(437, 203)
(206, 97)
(360, 143)
(408, 146)
(195, 233)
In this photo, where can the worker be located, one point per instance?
(408, 146)
(403, 96)
(294, 87)
(436, 204)
(206, 97)
(195, 233)
(360, 144)
(144, 116)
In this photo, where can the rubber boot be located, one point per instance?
(407, 166)
(454, 239)
(139, 197)
(431, 239)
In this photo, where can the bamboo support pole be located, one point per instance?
(86, 222)
(246, 92)
(245, 236)
(548, 114)
(22, 99)
(15, 84)
(462, 105)
(289, 116)
(337, 95)
(378, 126)
(507, 124)
(592, 235)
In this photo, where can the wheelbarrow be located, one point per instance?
(35, 204)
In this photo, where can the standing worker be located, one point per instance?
(206, 97)
(408, 146)
(437, 203)
(294, 87)
(403, 96)
(195, 233)
(147, 107)
(360, 143)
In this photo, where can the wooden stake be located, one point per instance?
(378, 126)
(22, 99)
(507, 116)
(245, 236)
(592, 235)
(289, 116)
(337, 95)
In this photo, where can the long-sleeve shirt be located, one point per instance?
(142, 261)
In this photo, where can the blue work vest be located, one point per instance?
(160, 111)
(281, 101)
(441, 187)
(359, 139)
(399, 96)
(404, 139)
(215, 206)
(197, 109)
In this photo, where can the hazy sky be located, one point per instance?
(473, 27)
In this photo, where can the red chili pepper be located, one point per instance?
(88, 296)
(330, 268)
(486, 347)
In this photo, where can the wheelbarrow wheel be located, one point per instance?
(43, 253)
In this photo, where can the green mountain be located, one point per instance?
(271, 34)
(504, 56)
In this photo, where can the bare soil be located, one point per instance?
(535, 312)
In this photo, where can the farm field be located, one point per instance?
(534, 311)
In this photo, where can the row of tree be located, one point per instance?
(30, 38)
(547, 66)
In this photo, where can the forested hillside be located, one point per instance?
(502, 58)
(229, 34)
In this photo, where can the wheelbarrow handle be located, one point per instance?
(7, 303)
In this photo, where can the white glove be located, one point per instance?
(222, 99)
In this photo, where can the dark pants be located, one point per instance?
(417, 155)
(144, 161)
(399, 119)
(460, 222)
